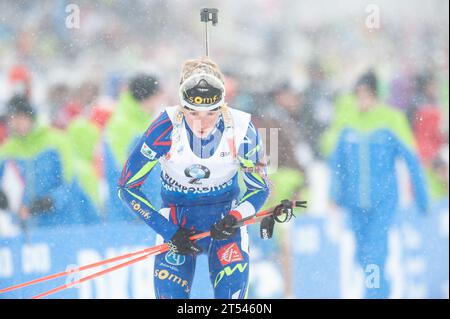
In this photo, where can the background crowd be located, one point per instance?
(73, 100)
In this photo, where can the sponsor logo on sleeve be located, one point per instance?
(148, 152)
(137, 207)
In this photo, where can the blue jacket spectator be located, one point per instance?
(42, 160)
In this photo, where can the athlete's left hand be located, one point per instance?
(223, 229)
(181, 243)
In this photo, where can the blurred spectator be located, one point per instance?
(101, 113)
(58, 95)
(19, 80)
(84, 138)
(316, 111)
(43, 160)
(67, 106)
(367, 144)
(437, 175)
(71, 111)
(3, 129)
(18, 83)
(135, 110)
(428, 125)
(427, 119)
(115, 84)
(402, 91)
(288, 177)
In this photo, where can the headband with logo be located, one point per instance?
(202, 92)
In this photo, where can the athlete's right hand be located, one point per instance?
(182, 245)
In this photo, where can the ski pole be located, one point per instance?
(82, 268)
(72, 271)
(161, 249)
(95, 275)
(147, 251)
(260, 214)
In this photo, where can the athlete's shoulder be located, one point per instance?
(241, 121)
(159, 132)
(163, 120)
(172, 111)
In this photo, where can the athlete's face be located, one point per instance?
(201, 122)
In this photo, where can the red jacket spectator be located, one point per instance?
(428, 134)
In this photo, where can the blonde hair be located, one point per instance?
(200, 65)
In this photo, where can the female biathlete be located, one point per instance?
(201, 145)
